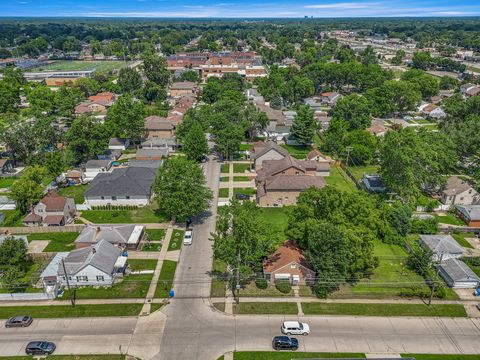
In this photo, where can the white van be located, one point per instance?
(295, 328)
(187, 238)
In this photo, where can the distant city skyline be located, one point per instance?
(238, 8)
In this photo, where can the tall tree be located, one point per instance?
(195, 144)
(126, 118)
(129, 80)
(155, 69)
(28, 189)
(304, 126)
(180, 189)
(355, 110)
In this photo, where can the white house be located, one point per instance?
(125, 236)
(459, 192)
(96, 265)
(443, 247)
(458, 275)
(118, 144)
(95, 167)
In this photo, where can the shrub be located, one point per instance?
(283, 286)
(261, 283)
(321, 291)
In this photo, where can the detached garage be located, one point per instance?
(458, 275)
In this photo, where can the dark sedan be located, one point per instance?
(284, 343)
(19, 321)
(40, 348)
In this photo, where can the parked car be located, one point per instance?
(295, 328)
(40, 348)
(19, 321)
(187, 238)
(284, 343)
(242, 197)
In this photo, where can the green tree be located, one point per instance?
(304, 126)
(426, 84)
(400, 218)
(129, 80)
(448, 83)
(398, 58)
(195, 144)
(54, 163)
(393, 97)
(9, 96)
(369, 57)
(180, 189)
(155, 69)
(126, 118)
(190, 75)
(422, 60)
(355, 110)
(28, 190)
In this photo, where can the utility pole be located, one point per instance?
(434, 281)
(238, 277)
(348, 148)
(68, 284)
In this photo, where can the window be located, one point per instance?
(100, 278)
(127, 197)
(102, 197)
(293, 265)
(82, 278)
(114, 198)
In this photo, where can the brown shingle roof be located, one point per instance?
(54, 202)
(455, 186)
(260, 149)
(274, 167)
(283, 256)
(157, 123)
(293, 182)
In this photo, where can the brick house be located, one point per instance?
(183, 88)
(52, 210)
(287, 263)
(158, 127)
(266, 151)
(470, 214)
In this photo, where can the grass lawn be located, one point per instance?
(251, 290)
(246, 191)
(12, 218)
(277, 221)
(30, 277)
(224, 179)
(442, 357)
(284, 308)
(223, 193)
(218, 288)
(359, 171)
(65, 65)
(450, 310)
(449, 219)
(152, 247)
(75, 192)
(176, 240)
(340, 180)
(240, 168)
(63, 241)
(147, 214)
(142, 264)
(155, 234)
(289, 355)
(7, 182)
(225, 168)
(61, 311)
(241, 178)
(298, 152)
(245, 147)
(461, 239)
(132, 286)
(166, 279)
(473, 263)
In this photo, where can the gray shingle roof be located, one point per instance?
(455, 186)
(113, 234)
(102, 256)
(97, 164)
(130, 181)
(458, 271)
(152, 152)
(152, 164)
(441, 244)
(269, 145)
(471, 212)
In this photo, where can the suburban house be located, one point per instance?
(280, 182)
(125, 236)
(106, 98)
(458, 275)
(287, 263)
(160, 143)
(470, 214)
(469, 90)
(183, 88)
(118, 144)
(125, 186)
(432, 111)
(6, 166)
(278, 126)
(377, 130)
(316, 155)
(95, 167)
(266, 151)
(158, 127)
(75, 177)
(315, 103)
(108, 154)
(443, 247)
(459, 192)
(151, 153)
(52, 210)
(96, 265)
(152, 164)
(91, 107)
(373, 183)
(330, 98)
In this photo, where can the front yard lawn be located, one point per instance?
(142, 264)
(75, 192)
(146, 214)
(246, 147)
(59, 242)
(223, 193)
(165, 279)
(225, 168)
(251, 290)
(241, 178)
(462, 241)
(450, 310)
(132, 286)
(287, 355)
(284, 308)
(224, 179)
(359, 171)
(449, 219)
(155, 234)
(218, 288)
(65, 311)
(298, 152)
(246, 191)
(340, 180)
(152, 247)
(176, 240)
(240, 168)
(277, 221)
(7, 182)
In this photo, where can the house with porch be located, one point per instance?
(52, 210)
(124, 236)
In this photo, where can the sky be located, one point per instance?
(238, 8)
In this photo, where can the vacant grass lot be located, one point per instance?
(240, 168)
(450, 310)
(359, 171)
(340, 180)
(462, 241)
(449, 219)
(284, 308)
(176, 240)
(288, 355)
(165, 280)
(298, 152)
(62, 311)
(147, 214)
(66, 65)
(59, 242)
(75, 192)
(277, 221)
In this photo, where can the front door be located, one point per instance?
(295, 280)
